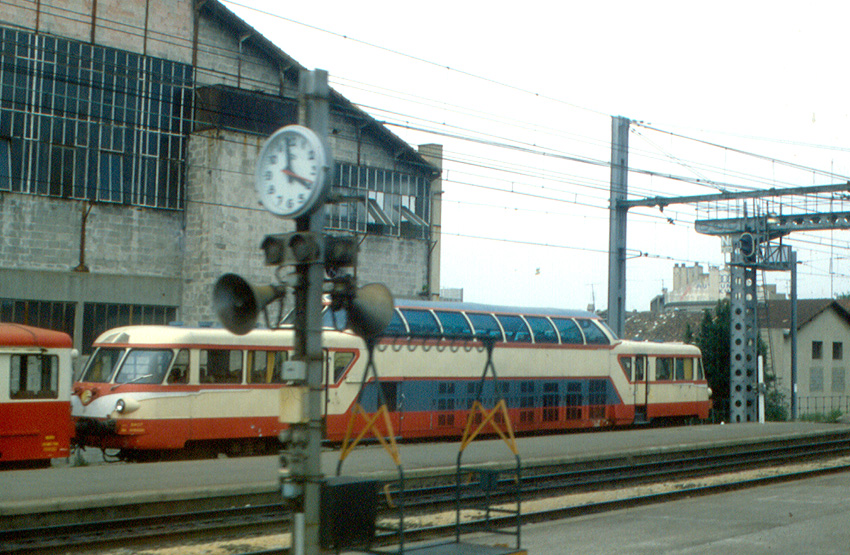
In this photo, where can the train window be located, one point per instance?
(453, 323)
(144, 366)
(626, 364)
(542, 329)
(34, 377)
(341, 361)
(681, 370)
(333, 319)
(396, 326)
(572, 401)
(597, 398)
(592, 333)
(678, 369)
(663, 368)
(485, 324)
(700, 375)
(220, 366)
(602, 324)
(570, 334)
(515, 329)
(179, 372)
(102, 365)
(421, 322)
(260, 366)
(640, 367)
(274, 374)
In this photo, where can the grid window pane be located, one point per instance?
(66, 104)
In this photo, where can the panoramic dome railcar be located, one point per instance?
(153, 389)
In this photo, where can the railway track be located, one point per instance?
(427, 506)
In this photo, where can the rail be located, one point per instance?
(536, 482)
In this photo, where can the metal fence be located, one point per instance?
(823, 404)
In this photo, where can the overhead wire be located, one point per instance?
(601, 162)
(529, 149)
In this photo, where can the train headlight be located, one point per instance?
(126, 405)
(86, 396)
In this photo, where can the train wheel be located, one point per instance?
(140, 455)
(200, 450)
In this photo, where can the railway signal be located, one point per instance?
(289, 188)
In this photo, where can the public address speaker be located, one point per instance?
(238, 304)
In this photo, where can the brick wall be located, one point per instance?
(161, 28)
(43, 233)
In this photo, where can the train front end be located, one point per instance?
(35, 372)
(119, 401)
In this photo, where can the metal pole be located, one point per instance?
(793, 335)
(617, 224)
(761, 389)
(308, 324)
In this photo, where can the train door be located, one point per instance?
(395, 401)
(339, 385)
(641, 387)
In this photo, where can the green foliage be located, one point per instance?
(689, 335)
(831, 417)
(775, 408)
(713, 340)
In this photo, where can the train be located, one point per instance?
(36, 367)
(154, 392)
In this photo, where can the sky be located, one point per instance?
(723, 95)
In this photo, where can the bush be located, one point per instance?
(831, 417)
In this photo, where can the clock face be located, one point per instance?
(290, 175)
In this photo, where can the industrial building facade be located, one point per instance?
(129, 133)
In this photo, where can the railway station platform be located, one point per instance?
(455, 549)
(63, 488)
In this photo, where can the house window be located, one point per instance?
(816, 380)
(838, 380)
(817, 350)
(837, 350)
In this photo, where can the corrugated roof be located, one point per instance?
(394, 142)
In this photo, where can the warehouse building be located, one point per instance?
(129, 133)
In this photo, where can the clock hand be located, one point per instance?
(288, 169)
(292, 175)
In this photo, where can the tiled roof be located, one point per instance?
(777, 314)
(661, 326)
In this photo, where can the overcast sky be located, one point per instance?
(522, 96)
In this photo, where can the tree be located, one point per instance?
(713, 340)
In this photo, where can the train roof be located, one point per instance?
(19, 335)
(184, 335)
(498, 309)
(657, 348)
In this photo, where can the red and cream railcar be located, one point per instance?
(154, 388)
(35, 391)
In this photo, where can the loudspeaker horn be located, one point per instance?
(238, 303)
(371, 310)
